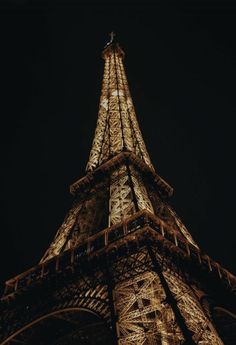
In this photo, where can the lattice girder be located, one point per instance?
(121, 252)
(143, 309)
(117, 127)
(122, 195)
(66, 292)
(108, 196)
(144, 314)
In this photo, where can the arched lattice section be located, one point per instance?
(86, 292)
(71, 326)
(225, 322)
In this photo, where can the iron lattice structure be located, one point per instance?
(122, 268)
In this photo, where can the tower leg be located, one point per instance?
(171, 300)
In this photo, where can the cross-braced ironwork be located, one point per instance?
(122, 268)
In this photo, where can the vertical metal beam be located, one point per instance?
(170, 299)
(110, 289)
(132, 187)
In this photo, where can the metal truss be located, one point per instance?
(121, 253)
(117, 127)
(67, 292)
(137, 304)
(128, 195)
(197, 322)
(122, 194)
(145, 314)
(181, 226)
(62, 234)
(125, 190)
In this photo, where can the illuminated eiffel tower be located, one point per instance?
(122, 268)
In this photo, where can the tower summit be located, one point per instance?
(117, 126)
(122, 268)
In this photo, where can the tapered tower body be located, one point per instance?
(122, 268)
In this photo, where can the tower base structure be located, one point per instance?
(134, 283)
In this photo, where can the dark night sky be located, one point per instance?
(181, 67)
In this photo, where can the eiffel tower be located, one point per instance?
(122, 268)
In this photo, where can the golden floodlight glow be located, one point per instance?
(140, 302)
(122, 268)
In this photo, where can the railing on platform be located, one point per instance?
(141, 221)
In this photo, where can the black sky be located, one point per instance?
(181, 67)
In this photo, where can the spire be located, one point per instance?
(117, 127)
(112, 38)
(120, 180)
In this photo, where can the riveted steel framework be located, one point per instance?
(122, 260)
(117, 127)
